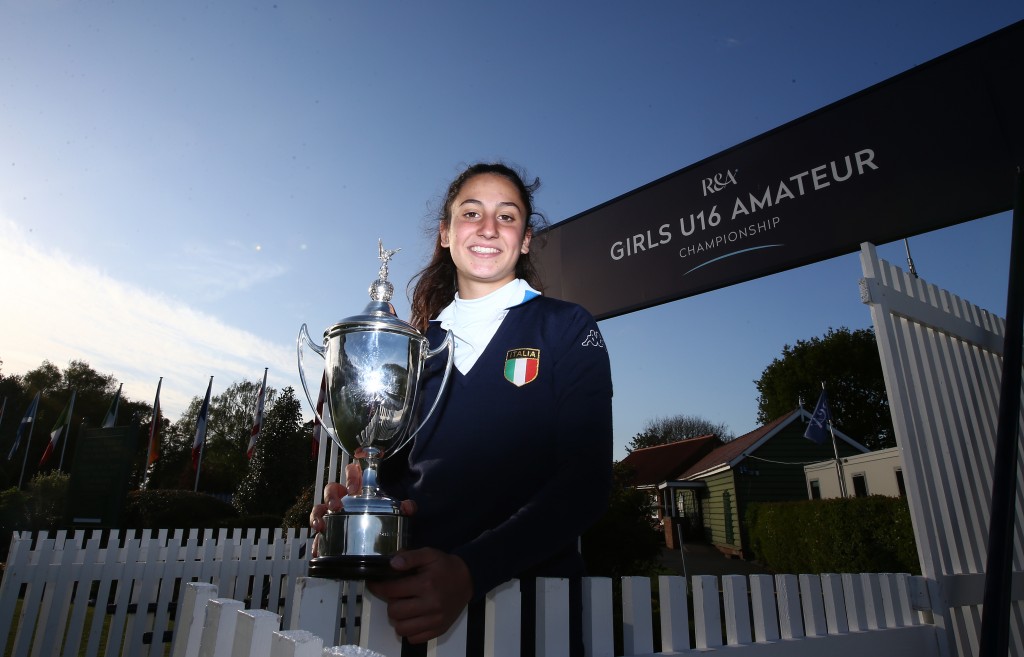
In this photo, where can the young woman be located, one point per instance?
(516, 462)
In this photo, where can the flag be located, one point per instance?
(257, 420)
(817, 428)
(110, 419)
(58, 429)
(27, 420)
(2, 409)
(317, 427)
(154, 428)
(197, 444)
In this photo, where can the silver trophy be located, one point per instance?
(373, 365)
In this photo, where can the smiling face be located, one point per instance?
(486, 233)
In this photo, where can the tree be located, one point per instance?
(848, 364)
(227, 437)
(280, 468)
(624, 541)
(662, 431)
(94, 391)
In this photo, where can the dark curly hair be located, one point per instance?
(434, 287)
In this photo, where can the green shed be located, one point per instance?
(765, 465)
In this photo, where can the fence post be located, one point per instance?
(811, 601)
(296, 643)
(552, 614)
(188, 630)
(791, 623)
(737, 609)
(253, 631)
(219, 628)
(375, 632)
(766, 618)
(317, 607)
(674, 614)
(503, 620)
(707, 618)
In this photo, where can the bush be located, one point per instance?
(40, 506)
(176, 508)
(48, 500)
(298, 514)
(257, 521)
(853, 535)
(13, 517)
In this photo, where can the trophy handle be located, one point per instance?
(449, 344)
(305, 339)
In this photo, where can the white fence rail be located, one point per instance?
(122, 594)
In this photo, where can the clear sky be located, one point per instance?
(182, 185)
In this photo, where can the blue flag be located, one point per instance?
(817, 428)
(30, 417)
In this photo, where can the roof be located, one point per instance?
(653, 465)
(731, 453)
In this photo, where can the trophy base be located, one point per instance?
(354, 567)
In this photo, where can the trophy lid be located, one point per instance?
(379, 314)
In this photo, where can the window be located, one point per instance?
(730, 532)
(815, 489)
(899, 482)
(860, 485)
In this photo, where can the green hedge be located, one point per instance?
(854, 535)
(177, 508)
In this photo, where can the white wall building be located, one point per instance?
(873, 473)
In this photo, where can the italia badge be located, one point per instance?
(522, 365)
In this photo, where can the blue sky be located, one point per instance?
(182, 185)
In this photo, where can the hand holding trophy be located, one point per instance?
(373, 365)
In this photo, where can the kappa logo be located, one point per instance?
(522, 365)
(593, 339)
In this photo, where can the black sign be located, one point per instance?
(99, 476)
(932, 147)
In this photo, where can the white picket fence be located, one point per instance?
(158, 595)
(115, 593)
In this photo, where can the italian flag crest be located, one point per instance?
(522, 365)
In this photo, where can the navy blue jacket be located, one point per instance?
(514, 466)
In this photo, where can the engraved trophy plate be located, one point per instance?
(373, 365)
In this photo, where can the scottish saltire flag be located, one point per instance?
(817, 428)
(2, 409)
(26, 421)
(59, 429)
(317, 427)
(257, 420)
(110, 419)
(204, 412)
(154, 429)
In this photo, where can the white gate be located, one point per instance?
(942, 359)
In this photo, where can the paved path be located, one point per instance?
(703, 559)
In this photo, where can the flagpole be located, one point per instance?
(28, 444)
(835, 451)
(67, 431)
